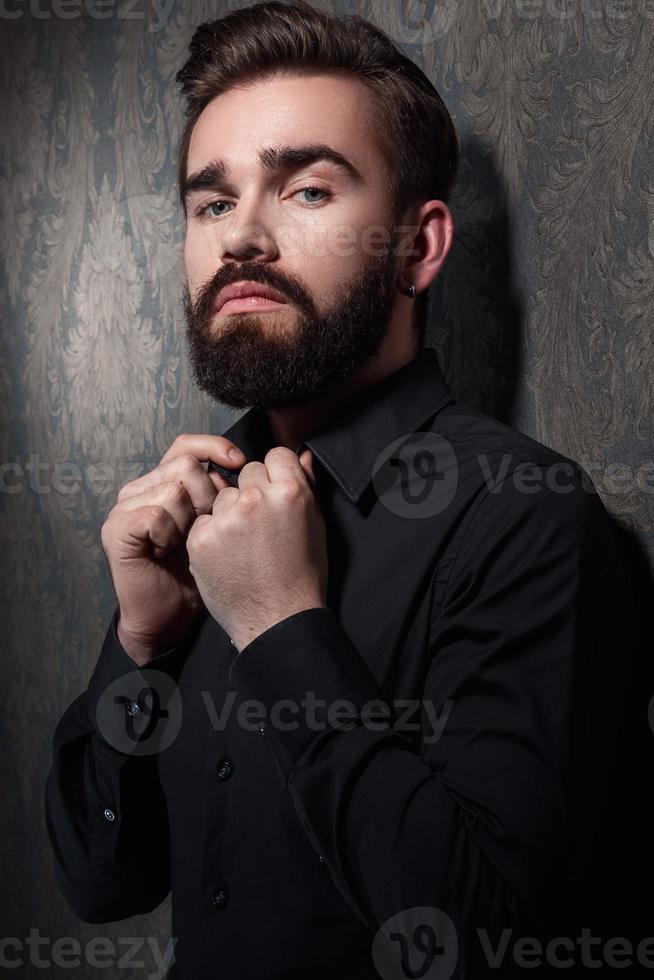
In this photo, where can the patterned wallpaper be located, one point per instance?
(542, 315)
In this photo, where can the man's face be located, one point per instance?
(314, 231)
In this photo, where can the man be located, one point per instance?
(365, 665)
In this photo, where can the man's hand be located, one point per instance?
(144, 539)
(262, 554)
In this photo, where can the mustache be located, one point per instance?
(251, 272)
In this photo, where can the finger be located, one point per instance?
(133, 528)
(186, 469)
(253, 473)
(306, 462)
(145, 530)
(226, 498)
(219, 481)
(198, 524)
(283, 463)
(205, 447)
(173, 497)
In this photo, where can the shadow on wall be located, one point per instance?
(475, 312)
(475, 322)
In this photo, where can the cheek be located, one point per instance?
(200, 257)
(353, 239)
(347, 251)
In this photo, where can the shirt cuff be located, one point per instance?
(310, 681)
(120, 699)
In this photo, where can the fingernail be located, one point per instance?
(235, 453)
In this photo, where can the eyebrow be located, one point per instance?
(215, 175)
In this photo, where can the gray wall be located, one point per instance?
(542, 315)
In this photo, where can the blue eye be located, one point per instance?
(319, 190)
(203, 212)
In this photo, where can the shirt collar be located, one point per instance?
(349, 443)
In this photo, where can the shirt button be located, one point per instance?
(109, 814)
(225, 769)
(219, 898)
(134, 708)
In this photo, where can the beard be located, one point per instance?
(294, 355)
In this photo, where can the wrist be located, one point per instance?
(242, 637)
(137, 650)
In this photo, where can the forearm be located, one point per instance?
(393, 834)
(105, 809)
(107, 823)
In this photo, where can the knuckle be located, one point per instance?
(175, 448)
(197, 539)
(187, 461)
(174, 489)
(123, 493)
(228, 523)
(250, 496)
(289, 489)
(156, 513)
(223, 497)
(112, 522)
(228, 492)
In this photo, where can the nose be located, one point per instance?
(245, 237)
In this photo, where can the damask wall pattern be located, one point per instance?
(542, 314)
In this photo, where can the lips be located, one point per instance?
(240, 290)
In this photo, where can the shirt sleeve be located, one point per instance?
(484, 818)
(104, 807)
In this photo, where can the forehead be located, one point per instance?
(286, 109)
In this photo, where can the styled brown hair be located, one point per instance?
(415, 132)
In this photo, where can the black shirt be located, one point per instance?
(475, 641)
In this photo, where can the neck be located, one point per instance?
(290, 425)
